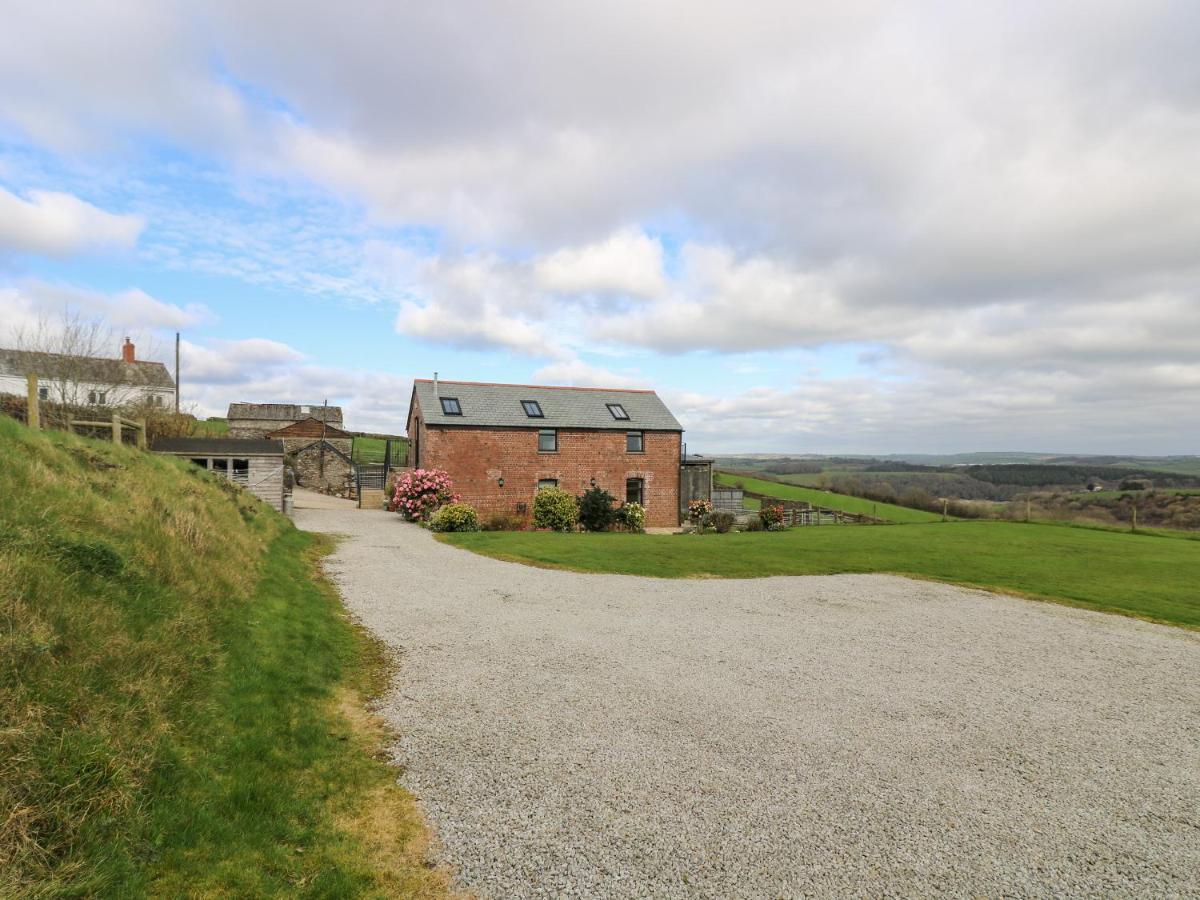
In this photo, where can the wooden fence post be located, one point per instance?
(141, 435)
(32, 410)
(117, 429)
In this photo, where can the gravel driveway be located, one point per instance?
(603, 735)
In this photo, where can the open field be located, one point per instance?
(1140, 575)
(371, 450)
(892, 513)
(215, 427)
(181, 695)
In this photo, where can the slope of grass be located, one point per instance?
(180, 697)
(898, 514)
(1145, 576)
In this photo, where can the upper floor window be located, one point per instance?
(547, 441)
(98, 398)
(450, 406)
(618, 411)
(635, 442)
(532, 408)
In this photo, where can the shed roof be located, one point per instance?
(284, 411)
(91, 369)
(500, 405)
(207, 446)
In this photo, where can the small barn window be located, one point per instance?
(43, 393)
(221, 465)
(618, 411)
(202, 463)
(547, 441)
(451, 406)
(544, 483)
(532, 408)
(635, 442)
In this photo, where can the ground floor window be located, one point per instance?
(221, 465)
(241, 468)
(202, 463)
(635, 491)
(43, 393)
(547, 483)
(98, 398)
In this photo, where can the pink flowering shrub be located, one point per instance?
(419, 493)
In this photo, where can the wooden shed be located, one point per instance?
(257, 465)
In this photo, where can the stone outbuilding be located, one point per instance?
(257, 420)
(320, 455)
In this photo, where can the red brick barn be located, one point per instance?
(500, 443)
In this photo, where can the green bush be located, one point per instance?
(632, 516)
(555, 509)
(455, 517)
(504, 522)
(722, 521)
(596, 512)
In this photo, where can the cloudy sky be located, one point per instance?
(858, 227)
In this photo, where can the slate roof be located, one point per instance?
(90, 369)
(499, 405)
(284, 411)
(205, 446)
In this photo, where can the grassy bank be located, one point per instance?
(180, 694)
(1140, 575)
(899, 514)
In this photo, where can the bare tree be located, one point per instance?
(75, 358)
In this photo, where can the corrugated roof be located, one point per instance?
(282, 411)
(204, 446)
(499, 405)
(91, 369)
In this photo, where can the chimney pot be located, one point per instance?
(127, 351)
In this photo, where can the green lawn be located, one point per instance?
(1140, 575)
(827, 499)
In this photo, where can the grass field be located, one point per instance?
(900, 514)
(1146, 576)
(371, 450)
(181, 696)
(212, 427)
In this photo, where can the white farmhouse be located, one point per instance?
(88, 380)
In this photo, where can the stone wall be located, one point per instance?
(321, 469)
(477, 458)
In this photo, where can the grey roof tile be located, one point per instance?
(97, 370)
(499, 405)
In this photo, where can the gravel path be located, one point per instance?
(601, 735)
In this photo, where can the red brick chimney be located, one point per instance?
(127, 351)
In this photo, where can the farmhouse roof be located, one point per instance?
(503, 406)
(309, 427)
(85, 369)
(282, 411)
(206, 446)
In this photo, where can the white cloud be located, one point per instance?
(59, 224)
(627, 263)
(32, 303)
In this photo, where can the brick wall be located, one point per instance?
(477, 458)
